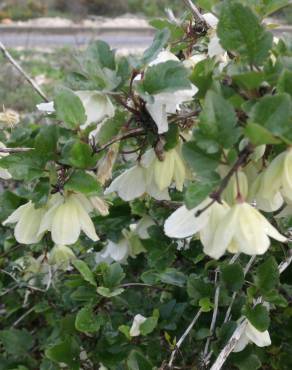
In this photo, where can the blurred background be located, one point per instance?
(45, 36)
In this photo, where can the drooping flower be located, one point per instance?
(113, 252)
(184, 223)
(165, 103)
(274, 184)
(61, 256)
(252, 335)
(27, 219)
(237, 187)
(137, 322)
(242, 229)
(98, 106)
(66, 217)
(168, 103)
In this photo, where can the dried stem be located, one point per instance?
(195, 12)
(183, 337)
(35, 86)
(15, 150)
(128, 134)
(240, 329)
(216, 195)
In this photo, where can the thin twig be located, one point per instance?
(9, 57)
(216, 195)
(22, 317)
(183, 337)
(195, 12)
(207, 355)
(15, 150)
(246, 270)
(128, 134)
(240, 329)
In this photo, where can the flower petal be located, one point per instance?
(261, 339)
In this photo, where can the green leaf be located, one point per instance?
(246, 360)
(16, 342)
(218, 120)
(84, 183)
(113, 275)
(240, 30)
(197, 288)
(24, 166)
(86, 321)
(171, 137)
(137, 361)
(66, 351)
(125, 330)
(160, 40)
(107, 292)
(196, 192)
(233, 276)
(111, 127)
(46, 142)
(165, 77)
(99, 52)
(284, 84)
(249, 80)
(202, 76)
(85, 272)
(258, 135)
(199, 161)
(267, 275)
(78, 154)
(205, 304)
(258, 316)
(148, 325)
(69, 108)
(274, 114)
(41, 192)
(175, 30)
(173, 277)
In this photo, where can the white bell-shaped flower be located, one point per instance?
(27, 219)
(252, 335)
(98, 106)
(184, 223)
(168, 103)
(114, 252)
(137, 322)
(66, 217)
(242, 229)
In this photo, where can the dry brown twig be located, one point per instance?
(35, 86)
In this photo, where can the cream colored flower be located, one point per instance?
(192, 61)
(9, 118)
(105, 164)
(98, 106)
(135, 328)
(252, 335)
(275, 183)
(171, 169)
(237, 183)
(168, 103)
(66, 217)
(99, 205)
(184, 223)
(113, 252)
(61, 256)
(242, 229)
(27, 219)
